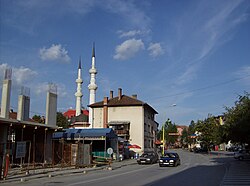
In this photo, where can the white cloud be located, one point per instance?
(20, 75)
(54, 53)
(155, 49)
(2, 69)
(132, 33)
(220, 23)
(244, 72)
(188, 75)
(128, 49)
(129, 10)
(41, 88)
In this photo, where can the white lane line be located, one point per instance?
(111, 176)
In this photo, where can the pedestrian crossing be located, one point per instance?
(237, 174)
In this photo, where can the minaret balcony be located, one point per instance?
(92, 86)
(92, 71)
(78, 94)
(79, 81)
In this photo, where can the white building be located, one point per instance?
(131, 118)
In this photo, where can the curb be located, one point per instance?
(67, 171)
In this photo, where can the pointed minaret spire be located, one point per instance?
(92, 86)
(78, 93)
(80, 65)
(93, 50)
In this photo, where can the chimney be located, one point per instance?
(111, 94)
(119, 93)
(134, 96)
(105, 112)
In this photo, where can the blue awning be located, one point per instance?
(74, 134)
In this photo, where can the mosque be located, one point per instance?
(78, 117)
(131, 119)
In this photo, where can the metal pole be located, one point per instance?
(105, 147)
(34, 146)
(44, 146)
(62, 161)
(29, 154)
(53, 159)
(22, 141)
(163, 139)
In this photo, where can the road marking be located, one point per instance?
(111, 176)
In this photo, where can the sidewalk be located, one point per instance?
(16, 175)
(237, 174)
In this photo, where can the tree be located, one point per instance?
(61, 120)
(237, 124)
(208, 130)
(184, 137)
(38, 119)
(191, 128)
(170, 128)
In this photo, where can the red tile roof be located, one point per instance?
(72, 112)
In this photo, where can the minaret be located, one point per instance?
(78, 93)
(92, 86)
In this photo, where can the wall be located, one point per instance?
(135, 115)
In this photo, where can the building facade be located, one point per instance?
(132, 120)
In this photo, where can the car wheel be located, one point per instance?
(241, 158)
(175, 164)
(160, 165)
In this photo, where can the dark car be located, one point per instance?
(242, 154)
(201, 150)
(148, 158)
(169, 159)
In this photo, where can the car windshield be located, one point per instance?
(146, 154)
(170, 155)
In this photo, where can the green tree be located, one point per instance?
(237, 124)
(38, 119)
(191, 128)
(207, 130)
(184, 137)
(61, 120)
(170, 128)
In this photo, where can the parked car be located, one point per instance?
(148, 158)
(242, 154)
(200, 150)
(169, 159)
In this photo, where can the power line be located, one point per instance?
(203, 88)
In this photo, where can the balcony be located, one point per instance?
(122, 132)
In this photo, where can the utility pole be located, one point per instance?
(163, 139)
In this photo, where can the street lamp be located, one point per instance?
(163, 139)
(163, 131)
(163, 136)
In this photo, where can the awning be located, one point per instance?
(88, 134)
(118, 123)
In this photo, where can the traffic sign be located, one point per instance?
(110, 151)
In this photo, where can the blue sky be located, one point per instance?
(195, 54)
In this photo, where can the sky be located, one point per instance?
(186, 59)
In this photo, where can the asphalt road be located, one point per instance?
(195, 169)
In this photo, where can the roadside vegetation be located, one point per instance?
(233, 125)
